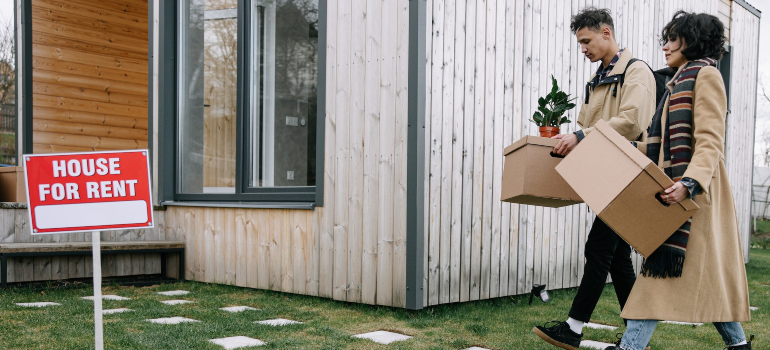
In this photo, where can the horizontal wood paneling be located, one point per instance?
(90, 64)
(14, 228)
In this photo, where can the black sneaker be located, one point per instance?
(559, 334)
(746, 346)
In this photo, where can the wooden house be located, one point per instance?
(347, 149)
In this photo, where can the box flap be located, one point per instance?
(530, 140)
(662, 179)
(624, 145)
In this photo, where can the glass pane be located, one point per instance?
(283, 101)
(7, 90)
(207, 101)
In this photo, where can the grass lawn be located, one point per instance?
(503, 323)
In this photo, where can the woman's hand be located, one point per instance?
(675, 194)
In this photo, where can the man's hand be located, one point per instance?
(566, 143)
(675, 194)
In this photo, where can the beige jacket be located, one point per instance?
(713, 285)
(631, 111)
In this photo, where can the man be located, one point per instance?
(624, 96)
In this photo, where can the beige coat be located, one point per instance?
(631, 111)
(713, 285)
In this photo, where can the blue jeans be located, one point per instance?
(639, 332)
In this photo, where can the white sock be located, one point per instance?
(741, 343)
(575, 325)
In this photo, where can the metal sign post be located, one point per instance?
(97, 258)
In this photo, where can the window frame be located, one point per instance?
(296, 197)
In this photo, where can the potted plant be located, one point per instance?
(550, 110)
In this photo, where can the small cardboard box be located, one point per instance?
(12, 185)
(621, 185)
(529, 176)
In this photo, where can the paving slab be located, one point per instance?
(176, 302)
(600, 326)
(171, 320)
(278, 322)
(594, 344)
(174, 292)
(684, 323)
(383, 337)
(237, 308)
(237, 342)
(40, 304)
(107, 297)
(115, 311)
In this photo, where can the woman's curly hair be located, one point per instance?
(703, 33)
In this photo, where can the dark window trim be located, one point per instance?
(305, 197)
(24, 75)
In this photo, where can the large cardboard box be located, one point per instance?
(12, 185)
(529, 176)
(621, 185)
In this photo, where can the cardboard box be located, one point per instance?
(529, 176)
(621, 184)
(12, 185)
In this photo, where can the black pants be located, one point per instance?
(605, 253)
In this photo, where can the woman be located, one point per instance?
(698, 274)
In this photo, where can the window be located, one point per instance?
(247, 76)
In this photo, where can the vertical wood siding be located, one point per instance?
(354, 247)
(89, 75)
(487, 63)
(740, 120)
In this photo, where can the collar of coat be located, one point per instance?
(617, 70)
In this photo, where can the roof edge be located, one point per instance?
(749, 8)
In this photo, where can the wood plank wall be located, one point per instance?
(724, 13)
(14, 228)
(740, 121)
(89, 75)
(354, 247)
(488, 62)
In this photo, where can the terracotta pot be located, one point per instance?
(548, 131)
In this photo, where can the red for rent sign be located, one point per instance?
(71, 192)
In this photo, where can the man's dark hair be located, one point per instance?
(703, 33)
(592, 18)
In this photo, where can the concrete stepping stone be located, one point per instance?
(594, 344)
(235, 309)
(174, 292)
(684, 323)
(107, 297)
(278, 322)
(171, 320)
(41, 304)
(237, 342)
(176, 302)
(600, 326)
(753, 308)
(383, 337)
(115, 311)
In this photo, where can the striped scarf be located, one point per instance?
(668, 259)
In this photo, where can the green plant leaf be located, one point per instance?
(537, 118)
